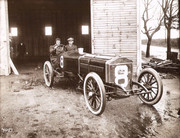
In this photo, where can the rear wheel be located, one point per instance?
(150, 79)
(94, 93)
(48, 73)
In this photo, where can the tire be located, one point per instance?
(94, 93)
(48, 74)
(150, 79)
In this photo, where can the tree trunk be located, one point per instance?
(168, 43)
(148, 47)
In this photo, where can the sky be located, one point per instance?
(161, 34)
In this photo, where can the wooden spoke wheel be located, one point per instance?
(150, 79)
(94, 93)
(48, 73)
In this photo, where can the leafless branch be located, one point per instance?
(149, 31)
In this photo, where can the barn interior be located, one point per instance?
(37, 23)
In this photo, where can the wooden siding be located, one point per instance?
(114, 28)
(4, 39)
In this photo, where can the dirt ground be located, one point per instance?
(29, 109)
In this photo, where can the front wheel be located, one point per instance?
(150, 79)
(94, 93)
(48, 73)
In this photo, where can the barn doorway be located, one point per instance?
(36, 24)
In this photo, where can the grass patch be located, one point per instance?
(163, 42)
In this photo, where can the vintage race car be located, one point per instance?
(103, 77)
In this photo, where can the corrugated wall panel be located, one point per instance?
(114, 28)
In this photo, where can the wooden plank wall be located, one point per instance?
(4, 39)
(114, 28)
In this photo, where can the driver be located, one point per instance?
(55, 52)
(70, 46)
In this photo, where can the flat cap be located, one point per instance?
(70, 39)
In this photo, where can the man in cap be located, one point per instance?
(70, 46)
(55, 52)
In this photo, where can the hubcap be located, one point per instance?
(91, 94)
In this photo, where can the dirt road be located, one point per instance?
(29, 109)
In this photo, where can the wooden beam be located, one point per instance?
(13, 67)
(92, 26)
(4, 39)
(139, 67)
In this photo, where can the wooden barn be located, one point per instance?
(99, 26)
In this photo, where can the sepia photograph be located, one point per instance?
(89, 69)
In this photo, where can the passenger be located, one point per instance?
(55, 52)
(58, 48)
(70, 46)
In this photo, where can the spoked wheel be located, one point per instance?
(150, 79)
(94, 93)
(48, 73)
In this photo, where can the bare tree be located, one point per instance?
(170, 10)
(151, 13)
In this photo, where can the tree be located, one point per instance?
(152, 18)
(171, 18)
